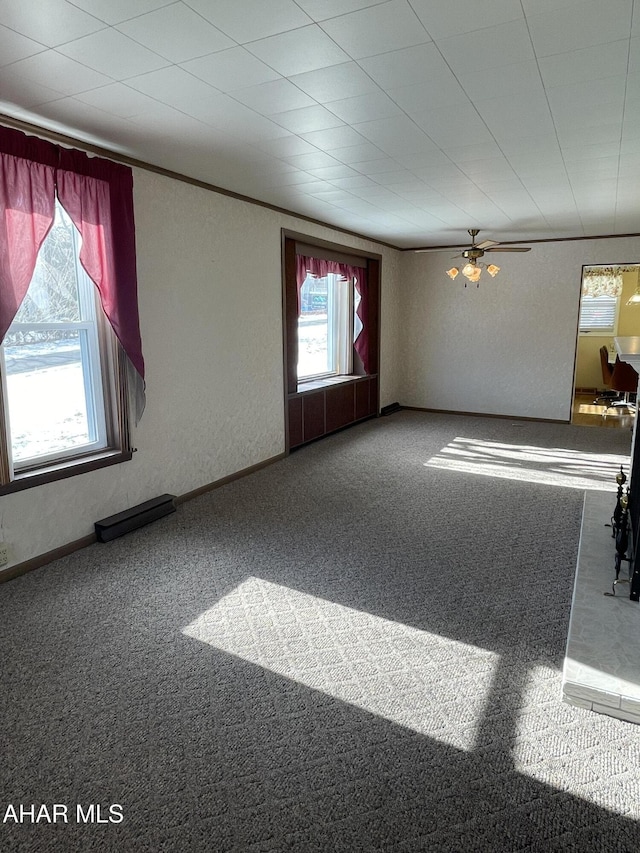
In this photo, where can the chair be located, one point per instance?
(624, 380)
(607, 373)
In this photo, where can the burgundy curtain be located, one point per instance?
(98, 196)
(320, 268)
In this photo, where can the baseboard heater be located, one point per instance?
(131, 519)
(390, 409)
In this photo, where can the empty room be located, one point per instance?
(318, 380)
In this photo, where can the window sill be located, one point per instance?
(327, 382)
(62, 470)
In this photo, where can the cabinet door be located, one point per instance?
(340, 406)
(295, 421)
(313, 415)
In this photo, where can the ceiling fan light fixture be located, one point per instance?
(453, 272)
(471, 271)
(493, 270)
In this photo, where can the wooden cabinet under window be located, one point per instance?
(326, 405)
(320, 411)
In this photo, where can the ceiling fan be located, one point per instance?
(476, 250)
(472, 254)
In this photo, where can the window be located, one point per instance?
(330, 329)
(53, 361)
(70, 349)
(599, 314)
(325, 326)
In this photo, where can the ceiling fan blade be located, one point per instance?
(510, 249)
(440, 249)
(486, 244)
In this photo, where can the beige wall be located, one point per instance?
(507, 347)
(588, 369)
(209, 277)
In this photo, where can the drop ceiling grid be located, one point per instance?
(449, 115)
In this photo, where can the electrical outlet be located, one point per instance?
(4, 553)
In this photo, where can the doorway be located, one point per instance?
(609, 307)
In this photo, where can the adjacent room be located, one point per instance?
(310, 426)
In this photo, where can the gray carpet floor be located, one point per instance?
(358, 648)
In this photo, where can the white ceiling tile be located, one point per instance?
(445, 91)
(477, 147)
(594, 170)
(345, 80)
(512, 116)
(595, 133)
(14, 46)
(55, 23)
(287, 146)
(114, 54)
(90, 121)
(229, 116)
(371, 168)
(320, 10)
(494, 170)
(307, 119)
(314, 160)
(377, 29)
(399, 177)
(172, 85)
(333, 173)
(474, 151)
(16, 89)
(334, 137)
(362, 108)
(428, 156)
(296, 52)
(397, 136)
(231, 69)
(118, 99)
(357, 182)
(634, 56)
(250, 20)
(115, 11)
(405, 66)
(521, 78)
(442, 20)
(176, 32)
(453, 125)
(275, 97)
(506, 44)
(580, 66)
(604, 96)
(333, 195)
(583, 24)
(60, 73)
(580, 153)
(357, 153)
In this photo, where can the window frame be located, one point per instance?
(340, 321)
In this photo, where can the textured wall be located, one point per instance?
(507, 347)
(209, 276)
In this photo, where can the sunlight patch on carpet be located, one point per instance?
(552, 466)
(433, 685)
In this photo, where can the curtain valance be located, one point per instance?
(320, 268)
(98, 196)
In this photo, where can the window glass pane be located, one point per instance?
(314, 353)
(46, 390)
(598, 313)
(52, 358)
(53, 292)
